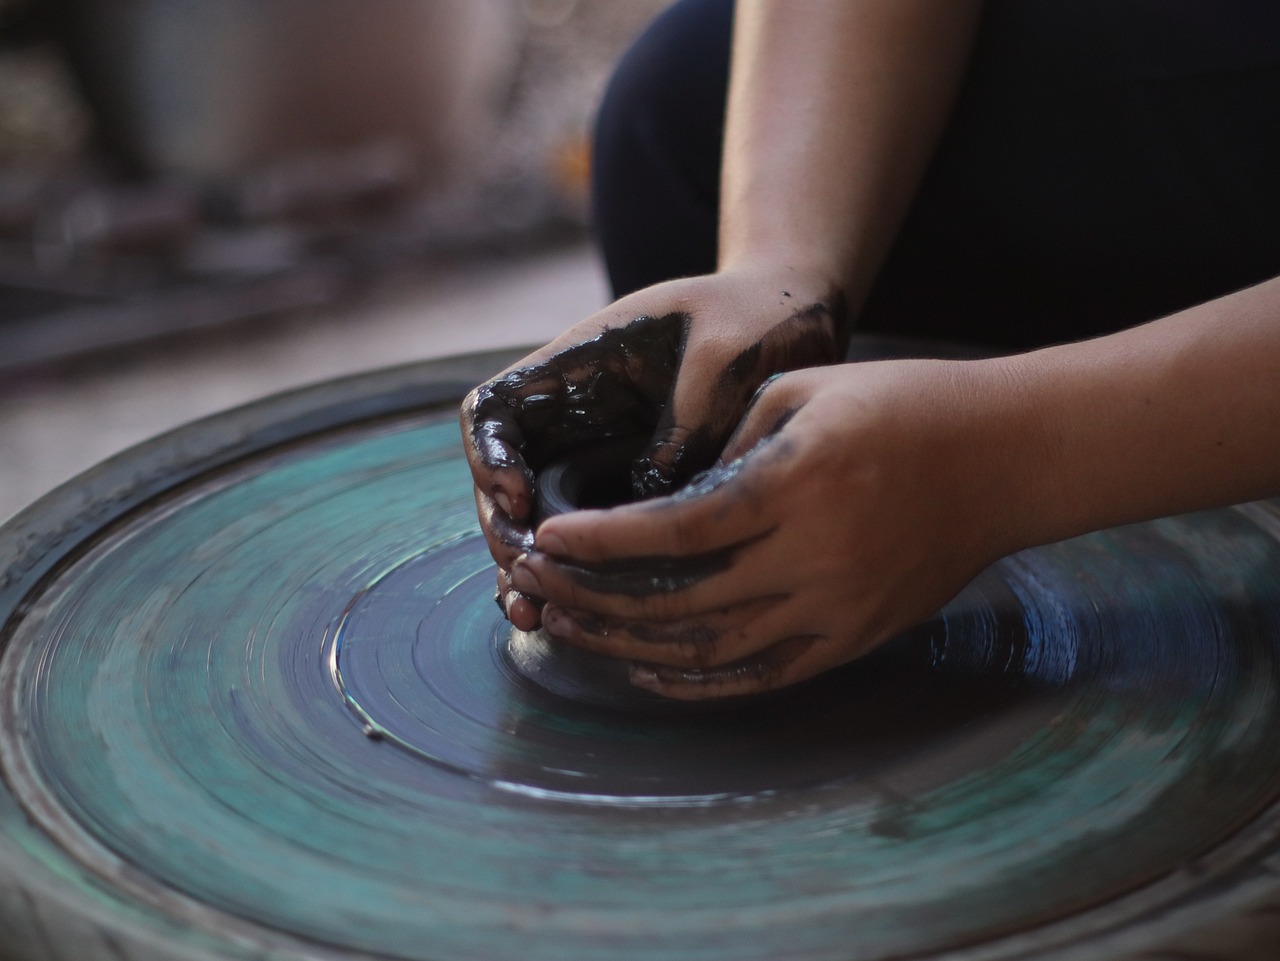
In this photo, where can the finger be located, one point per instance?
(505, 538)
(654, 588)
(711, 391)
(723, 507)
(618, 382)
(701, 641)
(786, 662)
(524, 612)
(493, 441)
(693, 423)
(609, 381)
(675, 453)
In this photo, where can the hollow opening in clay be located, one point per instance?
(592, 476)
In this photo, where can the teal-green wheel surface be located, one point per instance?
(257, 703)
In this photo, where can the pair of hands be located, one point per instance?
(836, 508)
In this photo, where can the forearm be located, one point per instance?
(1176, 415)
(834, 108)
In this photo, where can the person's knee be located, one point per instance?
(656, 159)
(667, 92)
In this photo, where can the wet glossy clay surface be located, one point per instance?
(284, 694)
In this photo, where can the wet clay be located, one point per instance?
(613, 385)
(621, 382)
(595, 425)
(593, 476)
(598, 477)
(811, 336)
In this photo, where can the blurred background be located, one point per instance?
(204, 202)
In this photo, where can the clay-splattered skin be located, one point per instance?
(614, 384)
(840, 513)
(682, 378)
(659, 574)
(840, 505)
(669, 648)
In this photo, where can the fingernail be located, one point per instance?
(644, 677)
(503, 501)
(523, 579)
(549, 542)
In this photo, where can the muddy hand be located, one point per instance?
(678, 362)
(854, 501)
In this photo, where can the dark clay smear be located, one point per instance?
(615, 384)
(699, 636)
(494, 431)
(669, 463)
(655, 574)
(704, 482)
(810, 337)
(516, 536)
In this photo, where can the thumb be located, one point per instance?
(712, 393)
(691, 435)
(675, 453)
(774, 404)
(695, 420)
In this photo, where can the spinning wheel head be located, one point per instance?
(1075, 759)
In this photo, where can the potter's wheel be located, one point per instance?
(257, 698)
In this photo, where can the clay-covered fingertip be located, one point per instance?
(522, 612)
(651, 478)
